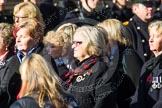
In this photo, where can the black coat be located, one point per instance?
(158, 12)
(146, 95)
(3, 81)
(4, 18)
(129, 68)
(30, 102)
(121, 14)
(140, 37)
(13, 78)
(97, 89)
(81, 17)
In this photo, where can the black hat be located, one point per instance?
(147, 3)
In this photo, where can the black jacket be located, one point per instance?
(13, 78)
(129, 68)
(140, 37)
(30, 102)
(97, 89)
(149, 92)
(121, 14)
(3, 81)
(81, 17)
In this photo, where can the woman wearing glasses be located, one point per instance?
(25, 10)
(89, 79)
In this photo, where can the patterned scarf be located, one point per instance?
(80, 69)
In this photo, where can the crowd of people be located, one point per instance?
(81, 54)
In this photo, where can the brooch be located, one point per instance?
(80, 78)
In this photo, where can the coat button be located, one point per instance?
(143, 41)
(138, 28)
(98, 17)
(145, 54)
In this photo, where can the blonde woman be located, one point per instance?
(88, 79)
(26, 10)
(68, 28)
(129, 63)
(55, 43)
(40, 86)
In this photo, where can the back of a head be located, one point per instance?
(68, 28)
(55, 37)
(6, 31)
(42, 80)
(116, 31)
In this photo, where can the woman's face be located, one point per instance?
(19, 16)
(79, 48)
(24, 42)
(53, 50)
(155, 41)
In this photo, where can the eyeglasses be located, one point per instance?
(77, 43)
(19, 17)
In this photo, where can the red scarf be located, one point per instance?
(21, 91)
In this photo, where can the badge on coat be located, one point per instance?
(156, 82)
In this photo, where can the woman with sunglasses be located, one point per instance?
(89, 79)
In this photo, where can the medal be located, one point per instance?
(159, 85)
(156, 82)
(154, 86)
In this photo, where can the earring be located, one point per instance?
(6, 48)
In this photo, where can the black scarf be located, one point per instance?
(80, 68)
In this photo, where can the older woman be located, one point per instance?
(25, 10)
(148, 95)
(7, 42)
(29, 36)
(54, 42)
(89, 80)
(68, 28)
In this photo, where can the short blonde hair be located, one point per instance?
(116, 31)
(6, 31)
(30, 9)
(93, 38)
(68, 28)
(157, 24)
(56, 37)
